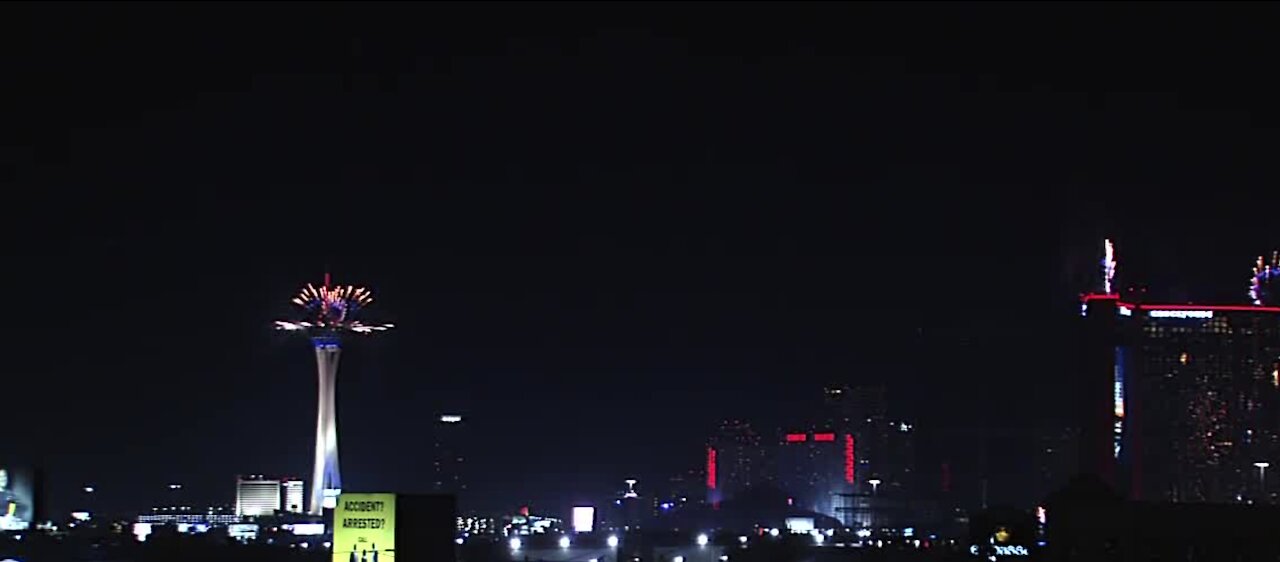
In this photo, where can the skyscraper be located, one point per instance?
(293, 494)
(735, 460)
(257, 496)
(1182, 401)
(449, 458)
(885, 447)
(815, 467)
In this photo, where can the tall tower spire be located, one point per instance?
(330, 313)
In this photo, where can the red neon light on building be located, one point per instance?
(848, 458)
(796, 438)
(1213, 307)
(711, 468)
(829, 437)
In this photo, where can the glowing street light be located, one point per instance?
(514, 543)
(612, 541)
(564, 542)
(702, 539)
(875, 484)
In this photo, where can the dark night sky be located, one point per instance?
(599, 227)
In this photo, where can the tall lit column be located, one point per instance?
(326, 481)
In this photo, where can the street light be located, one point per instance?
(875, 485)
(702, 539)
(612, 541)
(564, 542)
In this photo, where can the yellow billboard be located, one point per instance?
(364, 528)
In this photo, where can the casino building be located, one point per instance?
(1182, 400)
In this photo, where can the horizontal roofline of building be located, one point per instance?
(1148, 306)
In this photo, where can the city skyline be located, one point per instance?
(610, 229)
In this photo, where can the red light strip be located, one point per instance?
(1099, 297)
(796, 438)
(711, 468)
(848, 458)
(1213, 307)
(829, 437)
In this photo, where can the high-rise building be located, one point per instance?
(735, 460)
(815, 467)
(293, 494)
(885, 448)
(449, 458)
(1182, 401)
(257, 495)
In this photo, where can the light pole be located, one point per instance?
(875, 485)
(1262, 477)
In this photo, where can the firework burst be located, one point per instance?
(332, 310)
(1108, 266)
(1261, 284)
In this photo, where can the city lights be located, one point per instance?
(711, 468)
(1180, 313)
(584, 518)
(849, 459)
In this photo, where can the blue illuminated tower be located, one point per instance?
(326, 479)
(331, 312)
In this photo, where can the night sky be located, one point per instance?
(598, 227)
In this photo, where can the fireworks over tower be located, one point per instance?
(1263, 288)
(330, 312)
